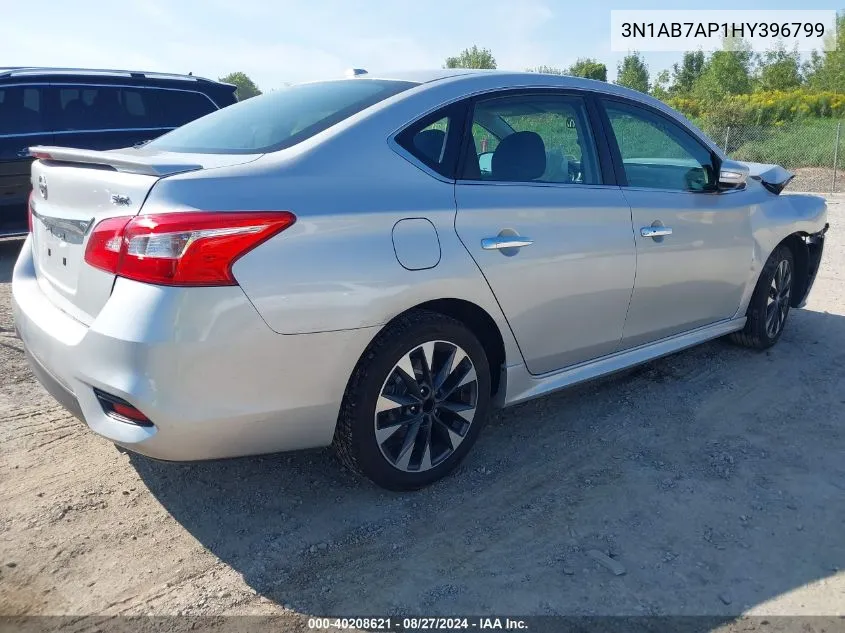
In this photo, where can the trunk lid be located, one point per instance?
(75, 189)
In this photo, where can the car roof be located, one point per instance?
(423, 76)
(517, 78)
(22, 74)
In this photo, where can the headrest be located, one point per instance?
(430, 143)
(520, 157)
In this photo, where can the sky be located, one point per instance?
(280, 41)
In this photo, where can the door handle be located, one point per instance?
(506, 241)
(655, 231)
(23, 153)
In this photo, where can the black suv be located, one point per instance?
(90, 109)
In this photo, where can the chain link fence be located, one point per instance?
(813, 150)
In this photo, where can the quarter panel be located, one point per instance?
(336, 267)
(416, 243)
(775, 218)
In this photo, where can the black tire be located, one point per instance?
(758, 333)
(355, 440)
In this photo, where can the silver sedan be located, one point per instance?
(373, 263)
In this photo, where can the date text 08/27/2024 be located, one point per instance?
(418, 624)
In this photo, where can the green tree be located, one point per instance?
(726, 72)
(546, 70)
(827, 71)
(662, 86)
(472, 58)
(589, 69)
(246, 87)
(632, 72)
(779, 69)
(687, 73)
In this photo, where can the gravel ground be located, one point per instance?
(713, 479)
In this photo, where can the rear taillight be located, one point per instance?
(181, 249)
(104, 244)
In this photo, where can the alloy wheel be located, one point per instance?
(777, 303)
(426, 406)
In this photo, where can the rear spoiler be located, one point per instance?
(773, 177)
(128, 161)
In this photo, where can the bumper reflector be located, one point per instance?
(118, 409)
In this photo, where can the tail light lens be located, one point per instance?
(104, 244)
(181, 249)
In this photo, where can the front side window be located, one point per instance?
(278, 119)
(532, 138)
(21, 110)
(657, 153)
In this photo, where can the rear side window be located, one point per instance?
(178, 107)
(532, 138)
(435, 139)
(278, 119)
(21, 110)
(104, 108)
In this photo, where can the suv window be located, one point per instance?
(658, 153)
(533, 138)
(21, 110)
(104, 108)
(279, 119)
(94, 108)
(179, 107)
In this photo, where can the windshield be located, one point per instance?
(279, 119)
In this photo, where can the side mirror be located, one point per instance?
(485, 162)
(732, 174)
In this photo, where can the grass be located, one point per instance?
(800, 143)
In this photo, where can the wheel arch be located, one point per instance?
(480, 323)
(806, 253)
(797, 244)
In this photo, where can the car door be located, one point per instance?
(22, 124)
(549, 230)
(694, 243)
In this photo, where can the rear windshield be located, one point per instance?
(279, 119)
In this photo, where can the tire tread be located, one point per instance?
(343, 437)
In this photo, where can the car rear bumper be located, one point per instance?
(55, 387)
(200, 363)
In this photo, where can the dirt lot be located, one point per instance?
(818, 179)
(715, 477)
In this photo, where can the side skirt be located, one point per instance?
(522, 386)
